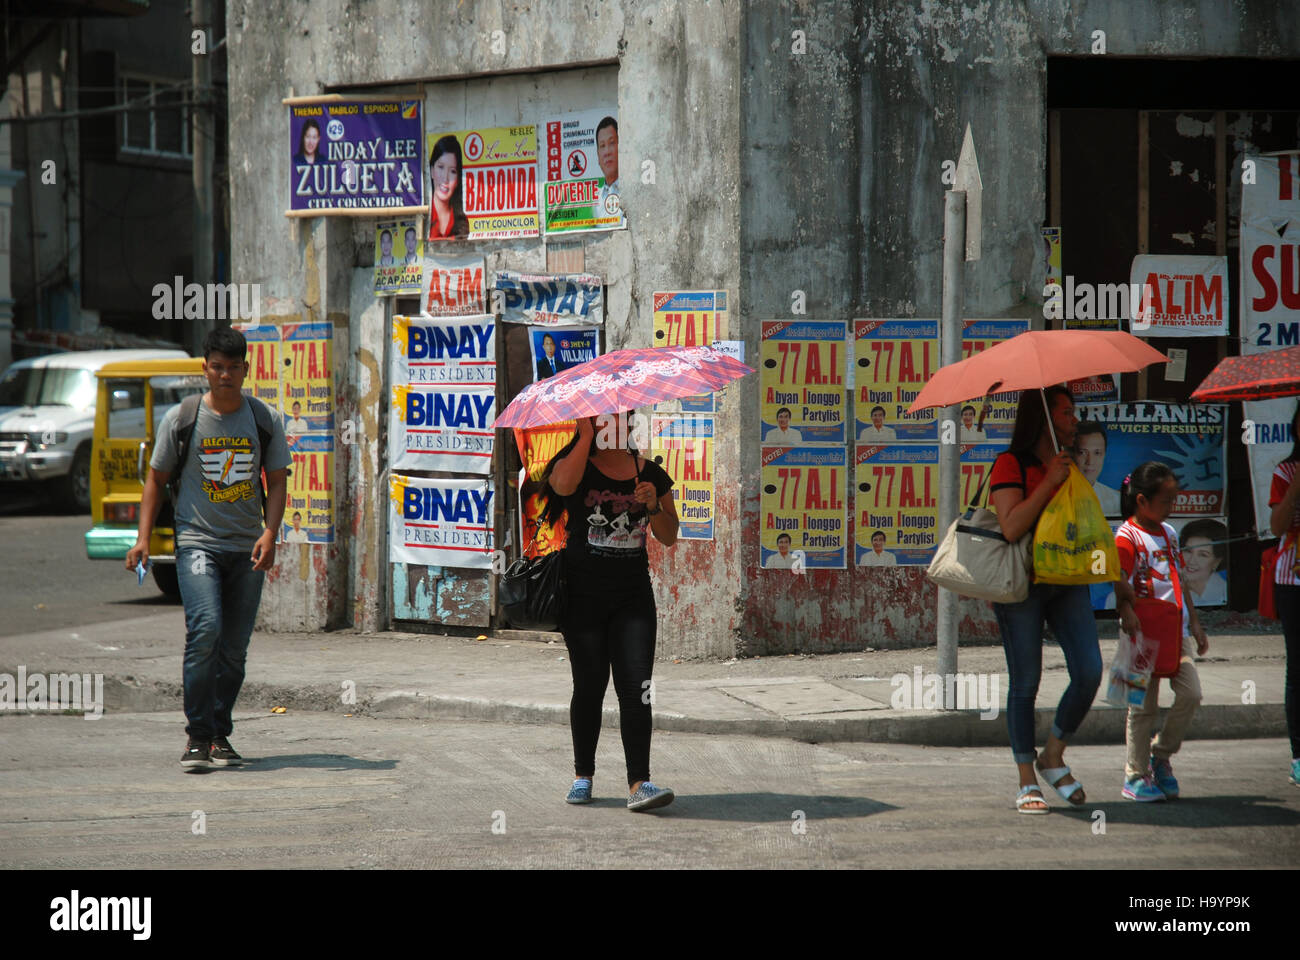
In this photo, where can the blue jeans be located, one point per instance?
(1068, 610)
(221, 591)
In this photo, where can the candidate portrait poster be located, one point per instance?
(356, 155)
(556, 349)
(684, 447)
(803, 508)
(452, 285)
(1000, 417)
(483, 184)
(1203, 542)
(801, 382)
(399, 254)
(537, 446)
(892, 360)
(689, 318)
(579, 171)
(263, 380)
(309, 493)
(307, 352)
(1113, 439)
(1182, 296)
(896, 504)
(443, 400)
(548, 300)
(1270, 306)
(443, 523)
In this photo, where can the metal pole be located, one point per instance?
(202, 135)
(954, 256)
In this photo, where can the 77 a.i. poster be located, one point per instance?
(802, 382)
(307, 350)
(442, 523)
(976, 337)
(263, 380)
(893, 359)
(684, 447)
(689, 318)
(803, 508)
(483, 184)
(443, 393)
(896, 502)
(309, 503)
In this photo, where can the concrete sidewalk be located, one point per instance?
(507, 677)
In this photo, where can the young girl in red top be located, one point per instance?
(1150, 558)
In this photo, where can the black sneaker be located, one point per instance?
(223, 754)
(197, 755)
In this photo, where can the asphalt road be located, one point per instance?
(331, 792)
(46, 580)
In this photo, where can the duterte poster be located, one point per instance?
(580, 174)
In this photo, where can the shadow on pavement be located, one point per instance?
(154, 599)
(318, 761)
(1194, 811)
(765, 807)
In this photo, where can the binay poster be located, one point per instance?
(483, 184)
(444, 523)
(548, 300)
(349, 155)
(579, 172)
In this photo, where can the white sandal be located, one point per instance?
(1054, 776)
(1025, 797)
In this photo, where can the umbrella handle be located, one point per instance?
(1050, 428)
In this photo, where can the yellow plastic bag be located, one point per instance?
(1073, 543)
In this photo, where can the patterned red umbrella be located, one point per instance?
(622, 380)
(1261, 376)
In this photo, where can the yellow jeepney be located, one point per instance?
(133, 397)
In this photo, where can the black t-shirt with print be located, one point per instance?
(607, 529)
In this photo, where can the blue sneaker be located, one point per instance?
(1295, 772)
(580, 792)
(1163, 774)
(648, 796)
(1142, 789)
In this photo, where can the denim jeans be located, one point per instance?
(1068, 610)
(1287, 599)
(221, 591)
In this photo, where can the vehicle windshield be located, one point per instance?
(48, 386)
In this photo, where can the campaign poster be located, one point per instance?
(896, 500)
(689, 318)
(452, 286)
(802, 382)
(1000, 415)
(348, 155)
(1113, 439)
(1052, 255)
(306, 349)
(443, 523)
(556, 349)
(804, 508)
(443, 394)
(537, 446)
(1183, 296)
(548, 300)
(892, 361)
(579, 172)
(683, 446)
(1270, 306)
(399, 253)
(309, 501)
(976, 463)
(483, 184)
(1203, 542)
(263, 380)
(1098, 389)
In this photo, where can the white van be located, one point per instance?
(47, 419)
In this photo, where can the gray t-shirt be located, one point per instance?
(219, 505)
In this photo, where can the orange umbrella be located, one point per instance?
(1036, 360)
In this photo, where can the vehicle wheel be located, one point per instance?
(76, 485)
(164, 574)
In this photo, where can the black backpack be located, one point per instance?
(183, 433)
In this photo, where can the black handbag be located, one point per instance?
(531, 592)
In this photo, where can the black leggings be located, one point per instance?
(1287, 599)
(603, 631)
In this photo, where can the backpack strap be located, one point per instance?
(182, 435)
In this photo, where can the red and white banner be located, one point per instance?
(1181, 296)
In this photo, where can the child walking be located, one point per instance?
(1152, 597)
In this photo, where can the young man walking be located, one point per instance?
(224, 543)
